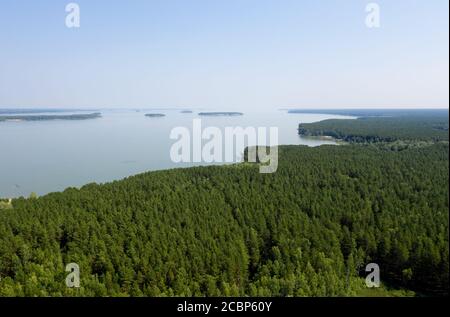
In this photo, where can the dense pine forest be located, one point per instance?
(414, 128)
(307, 230)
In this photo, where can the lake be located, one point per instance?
(47, 156)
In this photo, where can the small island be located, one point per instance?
(51, 117)
(186, 111)
(220, 114)
(155, 115)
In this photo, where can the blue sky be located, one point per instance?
(228, 54)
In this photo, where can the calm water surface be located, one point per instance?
(47, 156)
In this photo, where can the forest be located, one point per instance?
(307, 230)
(45, 117)
(421, 126)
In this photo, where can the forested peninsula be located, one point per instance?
(220, 114)
(398, 131)
(79, 116)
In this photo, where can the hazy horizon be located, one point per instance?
(198, 108)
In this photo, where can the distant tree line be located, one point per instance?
(43, 117)
(409, 130)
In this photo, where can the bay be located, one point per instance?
(48, 156)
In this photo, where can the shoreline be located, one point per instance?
(158, 169)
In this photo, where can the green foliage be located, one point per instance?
(399, 131)
(383, 291)
(306, 230)
(33, 195)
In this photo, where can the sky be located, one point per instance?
(224, 54)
